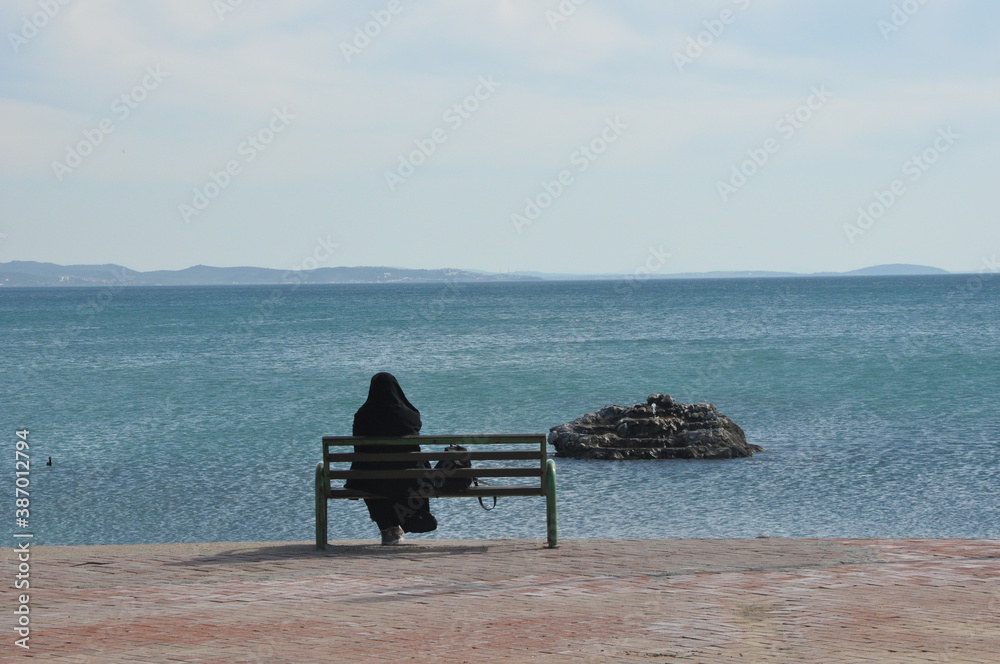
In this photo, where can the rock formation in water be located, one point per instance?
(661, 428)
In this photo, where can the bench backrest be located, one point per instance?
(529, 450)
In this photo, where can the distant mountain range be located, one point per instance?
(30, 273)
(889, 270)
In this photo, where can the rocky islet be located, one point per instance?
(661, 428)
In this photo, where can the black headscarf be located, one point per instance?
(387, 412)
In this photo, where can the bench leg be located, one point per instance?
(549, 482)
(321, 484)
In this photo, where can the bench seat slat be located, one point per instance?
(507, 455)
(471, 492)
(488, 439)
(424, 473)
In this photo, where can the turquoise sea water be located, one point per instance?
(195, 414)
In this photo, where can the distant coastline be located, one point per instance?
(31, 273)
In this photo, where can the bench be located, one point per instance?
(529, 449)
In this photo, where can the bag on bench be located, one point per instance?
(460, 483)
(446, 466)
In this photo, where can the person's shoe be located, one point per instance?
(393, 535)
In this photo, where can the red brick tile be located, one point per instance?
(760, 600)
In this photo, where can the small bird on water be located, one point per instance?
(49, 462)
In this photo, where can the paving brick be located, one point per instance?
(759, 600)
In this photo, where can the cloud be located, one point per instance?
(355, 116)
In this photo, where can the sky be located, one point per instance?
(566, 136)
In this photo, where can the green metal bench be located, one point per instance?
(529, 449)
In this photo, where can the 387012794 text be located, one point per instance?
(22, 512)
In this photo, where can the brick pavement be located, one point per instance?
(757, 600)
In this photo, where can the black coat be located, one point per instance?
(387, 412)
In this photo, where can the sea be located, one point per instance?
(195, 414)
